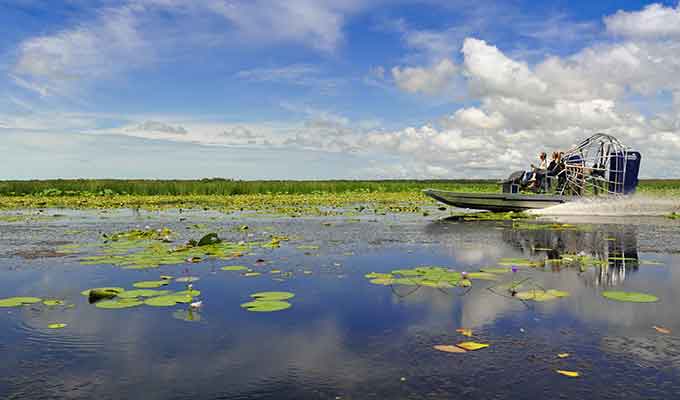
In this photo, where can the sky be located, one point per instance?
(330, 89)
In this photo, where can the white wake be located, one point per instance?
(638, 205)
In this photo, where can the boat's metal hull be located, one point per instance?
(496, 201)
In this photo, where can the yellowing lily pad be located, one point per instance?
(495, 270)
(378, 275)
(150, 284)
(629, 297)
(272, 296)
(563, 355)
(251, 274)
(449, 348)
(57, 326)
(234, 268)
(471, 346)
(383, 281)
(465, 331)
(266, 306)
(18, 301)
(482, 276)
(571, 374)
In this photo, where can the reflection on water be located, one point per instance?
(345, 337)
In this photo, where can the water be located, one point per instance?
(344, 337)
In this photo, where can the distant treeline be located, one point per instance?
(219, 186)
(226, 187)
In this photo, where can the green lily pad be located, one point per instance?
(382, 281)
(53, 302)
(495, 270)
(234, 268)
(266, 306)
(192, 293)
(187, 279)
(57, 326)
(18, 301)
(250, 274)
(630, 297)
(272, 296)
(558, 293)
(118, 303)
(168, 300)
(150, 284)
(131, 294)
(406, 272)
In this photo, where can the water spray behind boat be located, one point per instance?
(636, 205)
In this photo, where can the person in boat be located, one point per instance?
(539, 171)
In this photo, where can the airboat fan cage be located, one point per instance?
(599, 165)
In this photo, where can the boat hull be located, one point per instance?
(496, 201)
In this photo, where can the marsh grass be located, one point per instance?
(225, 187)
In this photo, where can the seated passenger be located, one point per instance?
(539, 171)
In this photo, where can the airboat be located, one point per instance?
(598, 166)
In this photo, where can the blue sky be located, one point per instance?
(304, 89)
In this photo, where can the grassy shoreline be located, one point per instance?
(288, 197)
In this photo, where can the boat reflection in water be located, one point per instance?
(605, 254)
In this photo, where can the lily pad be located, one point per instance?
(471, 346)
(192, 293)
(447, 348)
(272, 296)
(482, 276)
(266, 306)
(150, 284)
(234, 268)
(571, 374)
(251, 274)
(18, 301)
(383, 281)
(378, 275)
(57, 326)
(118, 303)
(168, 300)
(495, 270)
(53, 302)
(630, 297)
(131, 294)
(535, 295)
(187, 279)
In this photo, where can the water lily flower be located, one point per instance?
(196, 304)
(514, 269)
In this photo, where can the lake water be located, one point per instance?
(344, 337)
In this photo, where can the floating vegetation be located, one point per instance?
(187, 279)
(57, 326)
(252, 274)
(118, 303)
(571, 374)
(481, 276)
(97, 294)
(131, 294)
(472, 346)
(53, 302)
(541, 295)
(563, 355)
(429, 276)
(447, 348)
(268, 296)
(266, 305)
(234, 268)
(465, 331)
(496, 270)
(169, 300)
(518, 262)
(18, 301)
(542, 226)
(150, 284)
(269, 301)
(629, 297)
(144, 249)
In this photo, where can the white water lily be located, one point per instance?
(196, 304)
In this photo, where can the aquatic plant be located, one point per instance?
(629, 297)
